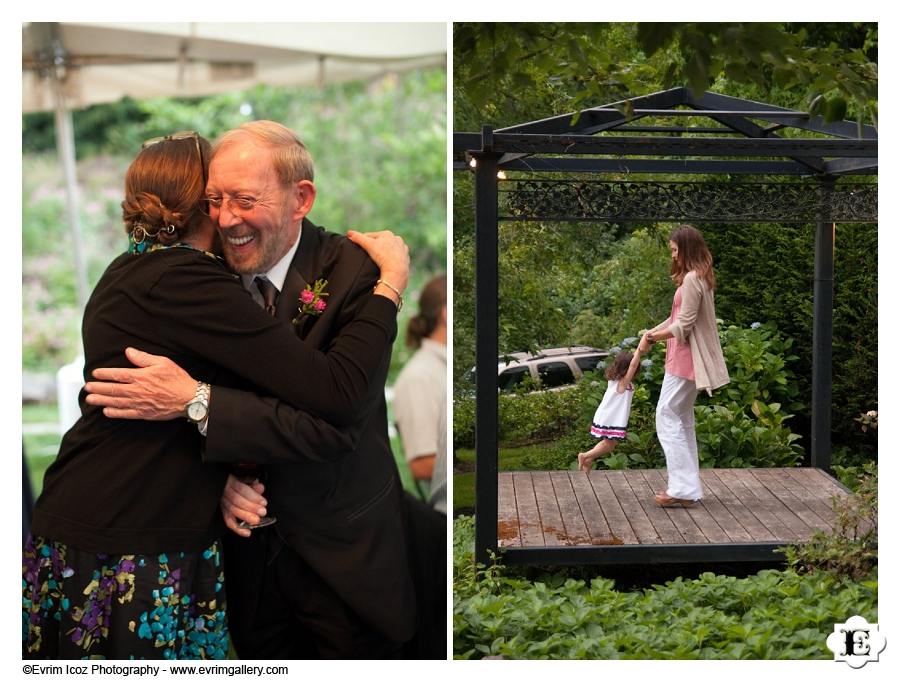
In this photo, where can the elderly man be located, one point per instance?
(331, 578)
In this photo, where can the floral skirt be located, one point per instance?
(77, 604)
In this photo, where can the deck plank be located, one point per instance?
(812, 498)
(816, 484)
(782, 507)
(645, 530)
(714, 502)
(771, 481)
(618, 522)
(816, 479)
(775, 528)
(548, 507)
(591, 512)
(530, 530)
(572, 516)
(508, 534)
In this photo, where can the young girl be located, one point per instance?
(611, 418)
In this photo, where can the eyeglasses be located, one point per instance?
(184, 135)
(241, 203)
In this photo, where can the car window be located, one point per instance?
(555, 374)
(588, 363)
(510, 378)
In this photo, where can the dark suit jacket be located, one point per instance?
(342, 511)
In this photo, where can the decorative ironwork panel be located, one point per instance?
(622, 201)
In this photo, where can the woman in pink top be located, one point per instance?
(694, 362)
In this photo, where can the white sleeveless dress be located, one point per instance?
(611, 418)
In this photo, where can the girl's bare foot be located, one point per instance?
(584, 462)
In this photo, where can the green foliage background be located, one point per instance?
(380, 154)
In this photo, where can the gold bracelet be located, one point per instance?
(392, 288)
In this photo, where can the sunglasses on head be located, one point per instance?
(184, 135)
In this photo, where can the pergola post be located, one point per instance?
(486, 349)
(823, 303)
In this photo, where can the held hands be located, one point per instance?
(157, 389)
(242, 502)
(645, 343)
(390, 253)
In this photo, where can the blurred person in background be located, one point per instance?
(421, 387)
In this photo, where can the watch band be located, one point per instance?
(199, 404)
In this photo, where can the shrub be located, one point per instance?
(728, 438)
(765, 272)
(851, 548)
(463, 421)
(758, 358)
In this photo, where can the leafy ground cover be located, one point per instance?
(775, 614)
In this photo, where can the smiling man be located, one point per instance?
(330, 579)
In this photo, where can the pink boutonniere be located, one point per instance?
(312, 300)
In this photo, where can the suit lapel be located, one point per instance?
(301, 272)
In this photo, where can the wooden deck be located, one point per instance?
(744, 515)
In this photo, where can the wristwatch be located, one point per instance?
(198, 408)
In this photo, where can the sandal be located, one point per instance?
(664, 500)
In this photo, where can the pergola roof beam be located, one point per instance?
(773, 113)
(844, 129)
(646, 146)
(721, 130)
(572, 164)
(851, 166)
(750, 129)
(600, 118)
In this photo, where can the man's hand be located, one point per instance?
(242, 502)
(157, 389)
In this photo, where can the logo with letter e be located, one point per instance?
(856, 642)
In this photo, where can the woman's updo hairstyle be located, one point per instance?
(165, 190)
(431, 302)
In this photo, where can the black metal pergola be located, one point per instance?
(596, 156)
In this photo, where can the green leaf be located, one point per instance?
(697, 73)
(652, 36)
(835, 109)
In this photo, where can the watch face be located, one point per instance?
(196, 411)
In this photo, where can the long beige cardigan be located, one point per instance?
(696, 325)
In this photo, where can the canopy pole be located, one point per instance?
(65, 144)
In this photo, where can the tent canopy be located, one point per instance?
(103, 62)
(71, 65)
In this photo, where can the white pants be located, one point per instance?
(675, 430)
